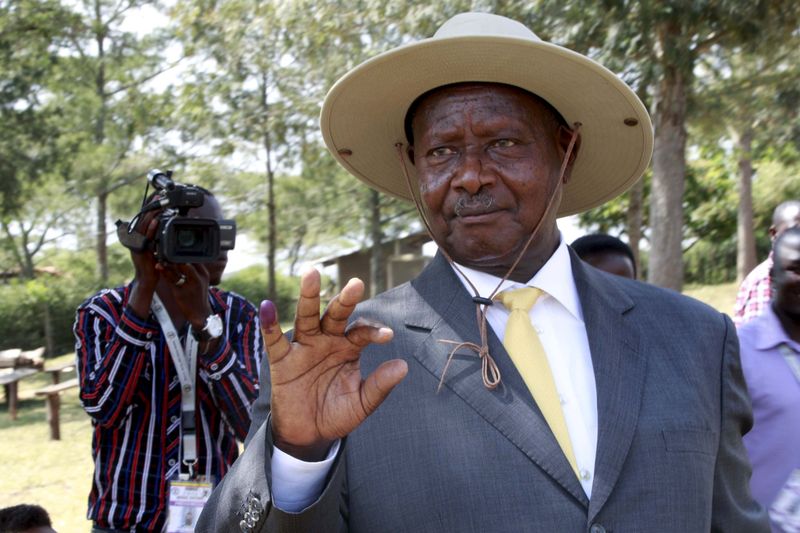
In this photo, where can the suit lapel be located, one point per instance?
(451, 315)
(619, 371)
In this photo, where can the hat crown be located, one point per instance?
(483, 24)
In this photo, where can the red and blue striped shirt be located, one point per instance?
(130, 389)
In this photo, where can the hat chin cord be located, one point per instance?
(490, 373)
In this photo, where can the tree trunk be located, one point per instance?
(745, 236)
(99, 139)
(27, 271)
(102, 251)
(665, 266)
(48, 330)
(12, 245)
(377, 264)
(635, 220)
(272, 238)
(295, 249)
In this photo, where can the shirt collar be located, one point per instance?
(555, 278)
(770, 333)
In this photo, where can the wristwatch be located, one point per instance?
(211, 330)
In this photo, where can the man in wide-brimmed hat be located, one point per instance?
(529, 392)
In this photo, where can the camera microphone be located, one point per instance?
(161, 180)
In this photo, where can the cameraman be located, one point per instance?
(149, 437)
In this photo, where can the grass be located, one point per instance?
(57, 474)
(54, 474)
(720, 297)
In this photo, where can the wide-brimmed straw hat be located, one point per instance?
(363, 115)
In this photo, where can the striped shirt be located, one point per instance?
(130, 389)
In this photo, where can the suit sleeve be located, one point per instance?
(261, 407)
(734, 509)
(243, 501)
(112, 348)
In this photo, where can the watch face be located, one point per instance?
(214, 326)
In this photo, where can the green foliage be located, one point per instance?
(25, 304)
(710, 201)
(251, 283)
(611, 217)
(709, 262)
(30, 31)
(85, 115)
(115, 116)
(774, 183)
(22, 312)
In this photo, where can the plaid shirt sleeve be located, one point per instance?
(754, 294)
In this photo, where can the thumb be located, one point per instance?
(381, 382)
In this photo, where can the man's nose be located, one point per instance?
(474, 172)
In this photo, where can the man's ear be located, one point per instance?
(565, 135)
(773, 232)
(410, 153)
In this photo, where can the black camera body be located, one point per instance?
(179, 238)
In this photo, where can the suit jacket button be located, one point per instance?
(597, 528)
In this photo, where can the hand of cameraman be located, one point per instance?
(191, 294)
(144, 264)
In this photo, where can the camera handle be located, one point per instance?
(132, 240)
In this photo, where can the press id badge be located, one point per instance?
(186, 500)
(785, 510)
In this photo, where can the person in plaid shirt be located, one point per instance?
(755, 293)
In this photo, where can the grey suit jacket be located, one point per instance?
(672, 408)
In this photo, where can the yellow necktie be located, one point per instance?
(525, 349)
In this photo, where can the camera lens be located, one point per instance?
(187, 238)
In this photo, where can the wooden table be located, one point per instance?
(9, 380)
(55, 371)
(8, 358)
(17, 358)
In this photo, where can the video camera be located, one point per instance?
(179, 238)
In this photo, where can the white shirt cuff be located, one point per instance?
(297, 484)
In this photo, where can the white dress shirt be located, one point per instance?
(558, 319)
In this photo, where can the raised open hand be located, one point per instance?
(318, 394)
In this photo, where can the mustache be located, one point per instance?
(482, 200)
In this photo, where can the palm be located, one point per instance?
(318, 394)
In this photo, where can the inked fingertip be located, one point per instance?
(267, 313)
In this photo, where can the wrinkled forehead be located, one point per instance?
(444, 91)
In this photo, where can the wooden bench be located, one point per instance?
(51, 392)
(9, 380)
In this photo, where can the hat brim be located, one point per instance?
(363, 115)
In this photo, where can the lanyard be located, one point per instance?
(185, 361)
(792, 359)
